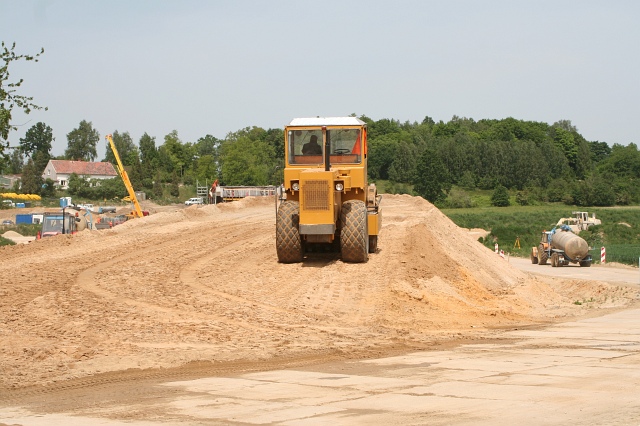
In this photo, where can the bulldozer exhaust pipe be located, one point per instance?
(327, 149)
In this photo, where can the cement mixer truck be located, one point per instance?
(561, 246)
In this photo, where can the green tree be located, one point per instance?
(522, 197)
(38, 138)
(31, 179)
(623, 161)
(599, 151)
(158, 189)
(566, 142)
(602, 192)
(206, 169)
(247, 162)
(174, 188)
(148, 160)
(82, 142)
(175, 155)
(500, 197)
(403, 166)
(16, 162)
(127, 150)
(10, 100)
(76, 184)
(432, 180)
(48, 189)
(382, 152)
(468, 180)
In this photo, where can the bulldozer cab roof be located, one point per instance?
(326, 121)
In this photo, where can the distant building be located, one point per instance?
(60, 170)
(7, 181)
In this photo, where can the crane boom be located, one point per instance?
(137, 211)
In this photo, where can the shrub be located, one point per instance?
(500, 197)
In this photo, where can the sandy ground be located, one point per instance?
(201, 286)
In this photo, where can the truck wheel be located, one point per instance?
(542, 255)
(373, 243)
(554, 260)
(288, 242)
(354, 240)
(585, 263)
(534, 256)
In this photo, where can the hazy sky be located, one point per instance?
(214, 67)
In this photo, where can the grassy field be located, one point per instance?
(619, 232)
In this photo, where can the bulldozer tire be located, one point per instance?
(554, 260)
(373, 243)
(288, 242)
(542, 255)
(354, 239)
(585, 264)
(534, 256)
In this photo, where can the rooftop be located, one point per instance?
(327, 121)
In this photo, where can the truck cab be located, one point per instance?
(58, 223)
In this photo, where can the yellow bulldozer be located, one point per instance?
(325, 198)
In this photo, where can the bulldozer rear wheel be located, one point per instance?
(373, 243)
(585, 263)
(554, 260)
(354, 239)
(542, 255)
(534, 256)
(288, 242)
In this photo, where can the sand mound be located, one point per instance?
(11, 234)
(203, 283)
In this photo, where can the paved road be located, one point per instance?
(618, 274)
(583, 372)
(580, 373)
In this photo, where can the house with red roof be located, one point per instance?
(60, 170)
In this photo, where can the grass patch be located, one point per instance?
(619, 232)
(5, 242)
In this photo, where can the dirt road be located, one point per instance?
(191, 292)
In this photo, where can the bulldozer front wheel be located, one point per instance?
(288, 242)
(542, 255)
(354, 239)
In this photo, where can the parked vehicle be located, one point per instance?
(7, 222)
(194, 200)
(58, 223)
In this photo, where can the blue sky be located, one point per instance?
(214, 67)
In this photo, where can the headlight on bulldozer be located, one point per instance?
(295, 186)
(339, 186)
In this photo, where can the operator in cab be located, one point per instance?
(312, 147)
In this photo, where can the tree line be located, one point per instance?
(538, 161)
(437, 160)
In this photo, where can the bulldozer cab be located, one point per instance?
(307, 146)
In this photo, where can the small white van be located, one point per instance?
(194, 200)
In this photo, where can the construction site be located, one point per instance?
(306, 276)
(187, 287)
